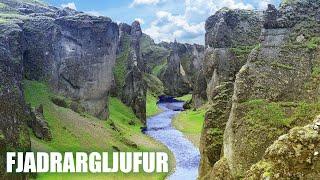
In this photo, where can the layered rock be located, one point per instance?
(130, 68)
(14, 113)
(72, 51)
(272, 88)
(293, 156)
(39, 125)
(76, 53)
(173, 77)
(182, 67)
(228, 45)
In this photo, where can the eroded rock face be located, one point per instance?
(277, 77)
(133, 90)
(182, 68)
(73, 51)
(227, 51)
(293, 156)
(14, 135)
(39, 125)
(232, 28)
(77, 54)
(173, 77)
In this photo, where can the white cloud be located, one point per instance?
(168, 27)
(70, 5)
(141, 21)
(263, 4)
(189, 25)
(144, 2)
(94, 13)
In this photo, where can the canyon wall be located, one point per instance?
(130, 68)
(230, 36)
(276, 90)
(182, 67)
(73, 52)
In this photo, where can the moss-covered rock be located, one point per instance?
(293, 156)
(277, 73)
(155, 85)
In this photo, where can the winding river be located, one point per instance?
(186, 154)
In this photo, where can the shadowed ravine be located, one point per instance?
(186, 154)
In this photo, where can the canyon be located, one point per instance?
(257, 74)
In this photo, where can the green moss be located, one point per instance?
(157, 69)
(267, 169)
(313, 43)
(185, 98)
(215, 132)
(119, 112)
(120, 68)
(152, 107)
(2, 137)
(242, 51)
(280, 114)
(316, 72)
(155, 85)
(282, 66)
(261, 111)
(24, 138)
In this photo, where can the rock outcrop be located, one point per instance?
(182, 67)
(72, 51)
(228, 45)
(76, 53)
(14, 135)
(293, 156)
(271, 93)
(173, 76)
(130, 69)
(39, 125)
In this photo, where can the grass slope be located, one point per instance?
(190, 123)
(185, 98)
(73, 132)
(152, 107)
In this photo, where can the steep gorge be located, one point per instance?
(82, 59)
(273, 92)
(73, 52)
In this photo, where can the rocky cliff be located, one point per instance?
(76, 54)
(230, 36)
(71, 51)
(14, 135)
(273, 92)
(181, 68)
(134, 89)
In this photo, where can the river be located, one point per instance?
(186, 154)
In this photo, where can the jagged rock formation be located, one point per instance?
(199, 93)
(182, 67)
(228, 45)
(152, 53)
(72, 51)
(271, 93)
(130, 68)
(14, 114)
(39, 125)
(75, 52)
(293, 156)
(174, 77)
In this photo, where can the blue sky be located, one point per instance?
(163, 20)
